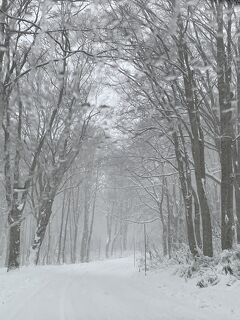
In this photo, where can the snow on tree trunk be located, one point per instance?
(42, 223)
(14, 247)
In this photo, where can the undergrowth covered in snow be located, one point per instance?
(207, 271)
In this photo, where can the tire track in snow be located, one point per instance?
(65, 305)
(25, 303)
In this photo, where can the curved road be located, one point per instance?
(110, 290)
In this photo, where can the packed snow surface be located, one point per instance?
(111, 290)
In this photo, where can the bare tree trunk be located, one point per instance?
(197, 220)
(90, 237)
(226, 158)
(197, 143)
(176, 218)
(76, 215)
(4, 43)
(117, 232)
(186, 187)
(109, 234)
(236, 154)
(91, 223)
(169, 220)
(75, 244)
(124, 235)
(71, 238)
(65, 232)
(85, 233)
(99, 248)
(61, 229)
(49, 244)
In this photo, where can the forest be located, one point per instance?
(120, 129)
(119, 159)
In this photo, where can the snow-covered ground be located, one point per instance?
(111, 290)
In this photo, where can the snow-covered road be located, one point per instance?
(111, 290)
